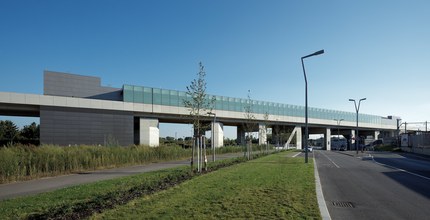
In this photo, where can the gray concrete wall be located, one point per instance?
(70, 126)
(71, 85)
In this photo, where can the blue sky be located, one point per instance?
(373, 49)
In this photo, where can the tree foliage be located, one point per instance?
(249, 124)
(199, 103)
(10, 133)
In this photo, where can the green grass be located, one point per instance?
(272, 187)
(82, 200)
(387, 148)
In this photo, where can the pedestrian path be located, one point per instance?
(32, 187)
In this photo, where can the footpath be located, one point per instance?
(32, 187)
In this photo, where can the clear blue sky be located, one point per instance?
(373, 49)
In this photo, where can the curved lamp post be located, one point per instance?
(338, 125)
(357, 137)
(306, 102)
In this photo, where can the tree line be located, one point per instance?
(11, 134)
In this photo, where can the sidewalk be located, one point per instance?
(32, 187)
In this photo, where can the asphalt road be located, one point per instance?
(33, 187)
(374, 186)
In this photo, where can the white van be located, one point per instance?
(338, 144)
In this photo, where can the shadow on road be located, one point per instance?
(420, 187)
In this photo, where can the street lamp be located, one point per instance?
(338, 125)
(213, 135)
(306, 102)
(357, 137)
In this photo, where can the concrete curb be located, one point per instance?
(320, 196)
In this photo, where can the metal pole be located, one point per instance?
(357, 109)
(213, 156)
(357, 137)
(306, 102)
(306, 113)
(198, 153)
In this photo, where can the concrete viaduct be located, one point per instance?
(76, 109)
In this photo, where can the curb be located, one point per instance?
(320, 196)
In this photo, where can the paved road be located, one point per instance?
(376, 186)
(32, 187)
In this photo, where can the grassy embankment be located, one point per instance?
(275, 186)
(272, 187)
(83, 200)
(19, 163)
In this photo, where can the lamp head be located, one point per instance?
(314, 54)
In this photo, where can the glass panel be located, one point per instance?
(182, 98)
(128, 93)
(147, 95)
(165, 97)
(138, 94)
(231, 105)
(156, 96)
(225, 103)
(218, 102)
(174, 98)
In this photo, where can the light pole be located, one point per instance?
(356, 130)
(338, 125)
(213, 135)
(306, 102)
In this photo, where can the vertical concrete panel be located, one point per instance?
(149, 132)
(240, 135)
(218, 134)
(376, 136)
(262, 134)
(298, 137)
(327, 137)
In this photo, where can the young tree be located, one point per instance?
(199, 104)
(249, 124)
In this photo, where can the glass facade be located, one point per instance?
(148, 95)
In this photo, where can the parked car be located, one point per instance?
(309, 149)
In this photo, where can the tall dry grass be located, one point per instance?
(29, 162)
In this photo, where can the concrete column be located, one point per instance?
(327, 137)
(262, 134)
(149, 132)
(218, 134)
(298, 132)
(376, 135)
(298, 137)
(352, 146)
(240, 135)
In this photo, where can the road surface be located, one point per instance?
(374, 186)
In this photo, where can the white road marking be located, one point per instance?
(297, 154)
(320, 196)
(402, 170)
(330, 160)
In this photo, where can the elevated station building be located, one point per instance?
(77, 109)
